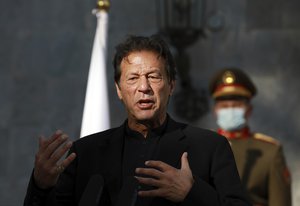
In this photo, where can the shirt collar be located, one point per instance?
(155, 132)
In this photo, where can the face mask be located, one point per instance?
(231, 119)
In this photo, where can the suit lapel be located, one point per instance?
(172, 144)
(113, 162)
(171, 147)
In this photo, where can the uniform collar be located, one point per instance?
(240, 134)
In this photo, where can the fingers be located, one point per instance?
(149, 181)
(48, 147)
(65, 163)
(158, 178)
(169, 182)
(152, 193)
(54, 144)
(48, 163)
(149, 172)
(184, 162)
(57, 154)
(43, 142)
(159, 165)
(59, 169)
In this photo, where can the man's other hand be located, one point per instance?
(170, 183)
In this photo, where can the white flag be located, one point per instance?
(96, 107)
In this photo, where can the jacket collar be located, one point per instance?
(172, 144)
(113, 162)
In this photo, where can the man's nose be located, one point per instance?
(144, 84)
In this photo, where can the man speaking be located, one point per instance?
(150, 159)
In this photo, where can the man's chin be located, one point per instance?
(149, 118)
(146, 116)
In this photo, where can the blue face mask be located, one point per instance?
(231, 119)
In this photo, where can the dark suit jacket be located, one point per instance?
(209, 154)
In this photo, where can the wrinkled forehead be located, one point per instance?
(143, 60)
(142, 55)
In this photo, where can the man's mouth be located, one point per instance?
(145, 103)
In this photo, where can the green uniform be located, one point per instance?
(262, 168)
(259, 158)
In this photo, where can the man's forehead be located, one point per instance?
(143, 60)
(133, 54)
(133, 59)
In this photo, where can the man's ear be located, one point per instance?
(118, 91)
(172, 87)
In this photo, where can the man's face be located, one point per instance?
(144, 87)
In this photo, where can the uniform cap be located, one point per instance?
(231, 83)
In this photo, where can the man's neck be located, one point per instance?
(145, 126)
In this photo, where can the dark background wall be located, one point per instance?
(45, 49)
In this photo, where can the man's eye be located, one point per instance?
(132, 78)
(154, 78)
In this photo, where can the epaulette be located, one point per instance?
(266, 138)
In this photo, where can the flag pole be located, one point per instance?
(101, 12)
(95, 116)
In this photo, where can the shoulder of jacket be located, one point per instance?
(208, 136)
(266, 138)
(197, 130)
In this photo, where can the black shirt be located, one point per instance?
(137, 150)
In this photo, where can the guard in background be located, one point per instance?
(259, 158)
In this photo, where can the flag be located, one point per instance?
(95, 116)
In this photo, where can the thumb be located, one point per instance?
(184, 162)
(41, 141)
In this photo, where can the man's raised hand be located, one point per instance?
(47, 166)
